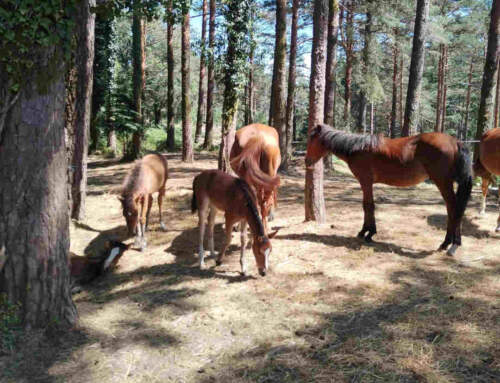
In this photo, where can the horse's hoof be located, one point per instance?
(243, 273)
(137, 242)
(451, 251)
(361, 234)
(163, 227)
(218, 262)
(203, 266)
(497, 230)
(368, 239)
(482, 212)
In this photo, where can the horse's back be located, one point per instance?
(157, 167)
(489, 150)
(266, 133)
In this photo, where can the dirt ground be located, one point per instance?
(332, 309)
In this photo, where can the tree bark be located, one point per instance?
(439, 97)
(367, 70)
(292, 72)
(208, 143)
(314, 199)
(138, 78)
(490, 68)
(495, 121)
(400, 97)
(34, 217)
(416, 68)
(444, 87)
(395, 71)
(187, 143)
(249, 109)
(170, 78)
(349, 52)
(201, 87)
(84, 66)
(279, 76)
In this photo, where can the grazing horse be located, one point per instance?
(255, 157)
(148, 176)
(215, 190)
(85, 269)
(401, 162)
(488, 163)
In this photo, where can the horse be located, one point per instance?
(255, 157)
(215, 190)
(401, 162)
(84, 269)
(149, 175)
(488, 164)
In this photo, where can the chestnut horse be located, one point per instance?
(215, 190)
(148, 176)
(255, 157)
(401, 162)
(488, 164)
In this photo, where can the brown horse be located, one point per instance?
(401, 162)
(148, 176)
(488, 163)
(255, 157)
(215, 190)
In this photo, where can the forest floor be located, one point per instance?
(332, 309)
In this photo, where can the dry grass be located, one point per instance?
(333, 309)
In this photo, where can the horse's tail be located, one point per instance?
(194, 203)
(463, 176)
(246, 163)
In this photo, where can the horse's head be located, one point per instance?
(130, 212)
(261, 247)
(315, 148)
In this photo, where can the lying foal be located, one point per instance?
(215, 190)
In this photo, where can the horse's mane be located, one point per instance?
(339, 142)
(133, 180)
(250, 201)
(247, 160)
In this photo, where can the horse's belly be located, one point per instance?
(397, 174)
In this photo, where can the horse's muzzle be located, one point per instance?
(262, 272)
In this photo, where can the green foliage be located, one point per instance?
(27, 27)
(10, 324)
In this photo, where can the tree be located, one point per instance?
(348, 44)
(84, 70)
(314, 199)
(278, 118)
(291, 83)
(489, 73)
(367, 69)
(34, 217)
(187, 140)
(170, 77)
(201, 84)
(211, 79)
(416, 68)
(237, 15)
(394, 104)
(467, 99)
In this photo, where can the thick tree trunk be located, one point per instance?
(138, 36)
(279, 76)
(201, 87)
(439, 96)
(416, 68)
(372, 118)
(292, 71)
(34, 217)
(395, 71)
(69, 126)
(211, 80)
(400, 97)
(490, 68)
(349, 52)
(249, 108)
(84, 66)
(187, 140)
(314, 199)
(495, 121)
(367, 70)
(444, 87)
(170, 78)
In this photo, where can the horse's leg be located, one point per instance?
(143, 220)
(446, 189)
(369, 226)
(150, 203)
(484, 187)
(211, 222)
(230, 221)
(243, 237)
(161, 194)
(202, 216)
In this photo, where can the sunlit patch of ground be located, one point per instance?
(333, 309)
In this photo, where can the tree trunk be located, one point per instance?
(138, 79)
(314, 199)
(249, 109)
(444, 87)
(84, 66)
(292, 71)
(34, 217)
(467, 100)
(279, 77)
(349, 52)
(201, 87)
(187, 144)
(394, 105)
(495, 121)
(439, 96)
(372, 118)
(400, 97)
(367, 70)
(170, 78)
(416, 68)
(208, 143)
(490, 68)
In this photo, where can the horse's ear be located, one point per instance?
(273, 234)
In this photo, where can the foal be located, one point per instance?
(149, 175)
(215, 190)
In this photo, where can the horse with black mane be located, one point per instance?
(215, 190)
(401, 162)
